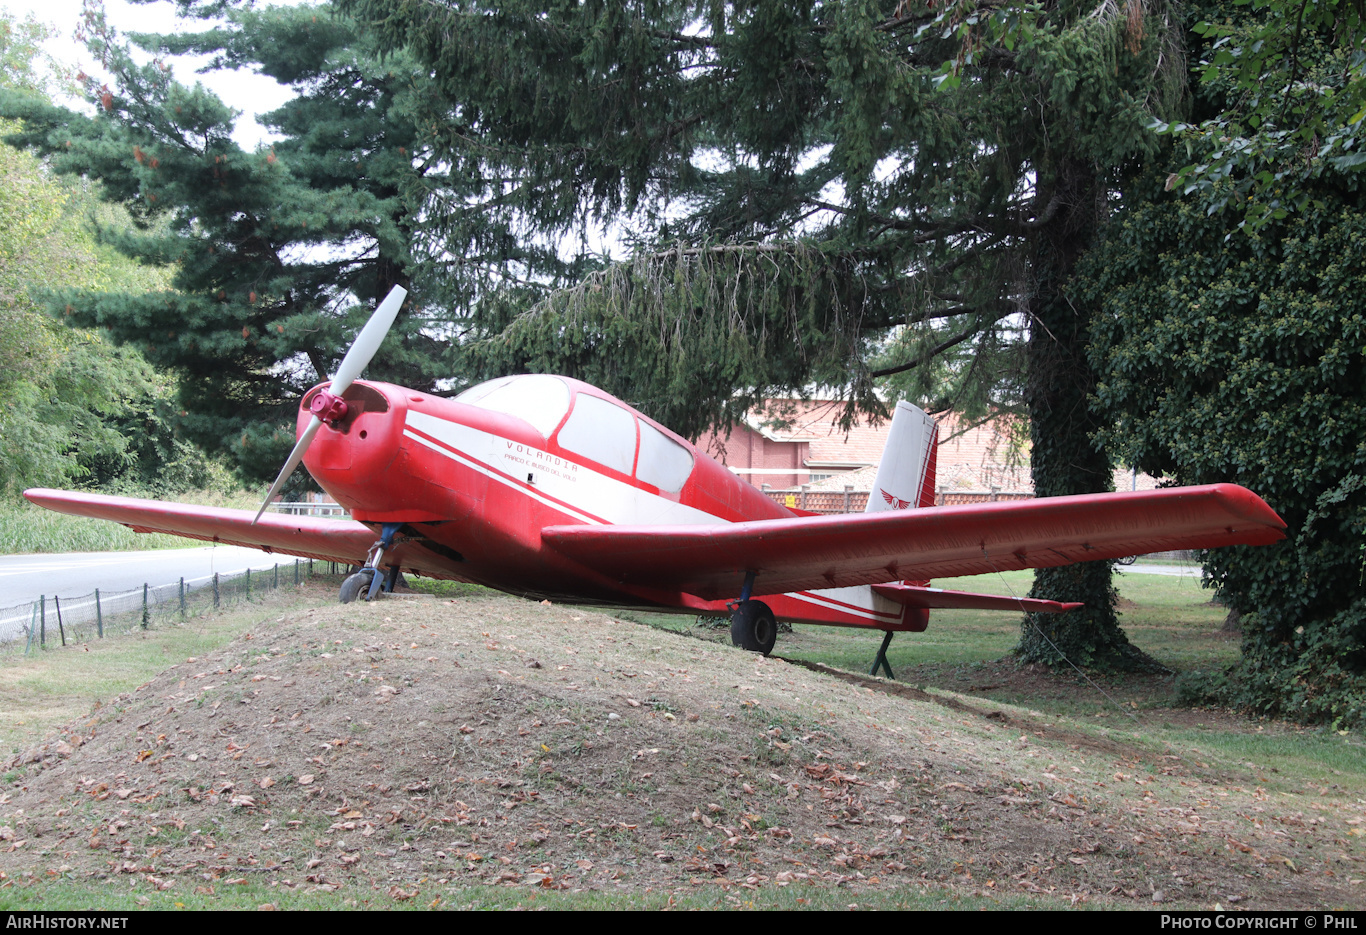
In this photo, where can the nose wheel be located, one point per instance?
(357, 585)
(366, 583)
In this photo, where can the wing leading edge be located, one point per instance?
(872, 548)
(310, 537)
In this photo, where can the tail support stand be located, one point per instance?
(881, 661)
(386, 539)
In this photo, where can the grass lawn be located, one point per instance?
(1167, 616)
(47, 688)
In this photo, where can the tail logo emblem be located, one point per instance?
(895, 503)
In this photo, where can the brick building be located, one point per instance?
(794, 444)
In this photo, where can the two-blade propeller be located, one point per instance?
(356, 359)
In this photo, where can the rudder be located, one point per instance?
(906, 474)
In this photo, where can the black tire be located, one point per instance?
(753, 627)
(356, 586)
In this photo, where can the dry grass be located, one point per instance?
(419, 750)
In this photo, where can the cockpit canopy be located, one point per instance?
(598, 429)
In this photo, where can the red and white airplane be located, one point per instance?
(546, 487)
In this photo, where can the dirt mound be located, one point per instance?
(490, 740)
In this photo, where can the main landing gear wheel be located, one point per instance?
(357, 585)
(753, 627)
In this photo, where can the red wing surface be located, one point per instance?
(871, 548)
(310, 537)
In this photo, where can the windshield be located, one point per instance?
(602, 432)
(534, 398)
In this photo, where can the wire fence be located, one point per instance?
(57, 620)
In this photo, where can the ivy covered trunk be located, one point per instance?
(1065, 458)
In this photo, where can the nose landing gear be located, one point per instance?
(368, 582)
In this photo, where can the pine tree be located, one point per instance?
(854, 194)
(278, 254)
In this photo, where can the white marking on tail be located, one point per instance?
(906, 473)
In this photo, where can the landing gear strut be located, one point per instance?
(881, 661)
(367, 582)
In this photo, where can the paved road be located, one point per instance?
(25, 577)
(1183, 571)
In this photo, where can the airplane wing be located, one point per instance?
(871, 548)
(311, 537)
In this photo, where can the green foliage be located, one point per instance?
(867, 164)
(68, 397)
(1292, 78)
(1241, 359)
(278, 255)
(724, 334)
(73, 409)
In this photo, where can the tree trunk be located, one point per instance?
(1064, 459)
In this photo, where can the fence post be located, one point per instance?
(275, 584)
(215, 590)
(848, 489)
(804, 487)
(60, 629)
(182, 595)
(99, 615)
(42, 620)
(296, 572)
(32, 629)
(146, 620)
(248, 582)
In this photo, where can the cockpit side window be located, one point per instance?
(663, 462)
(534, 398)
(601, 432)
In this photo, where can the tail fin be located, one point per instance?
(906, 474)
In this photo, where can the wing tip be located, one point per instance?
(1250, 506)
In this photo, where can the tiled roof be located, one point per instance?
(817, 422)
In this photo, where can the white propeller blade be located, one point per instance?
(295, 457)
(355, 361)
(368, 341)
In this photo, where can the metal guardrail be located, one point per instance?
(850, 500)
(55, 619)
(302, 508)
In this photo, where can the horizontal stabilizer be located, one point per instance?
(913, 596)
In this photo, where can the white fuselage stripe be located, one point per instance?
(506, 481)
(814, 597)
